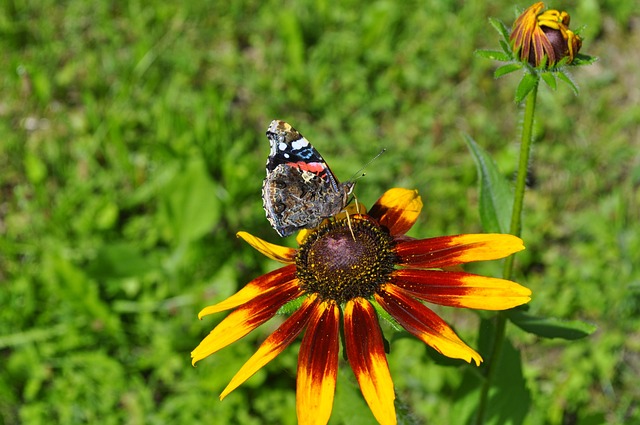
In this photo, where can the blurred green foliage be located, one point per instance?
(132, 150)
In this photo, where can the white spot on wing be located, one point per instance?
(282, 146)
(300, 143)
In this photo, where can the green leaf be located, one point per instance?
(550, 79)
(506, 69)
(509, 397)
(506, 47)
(549, 327)
(496, 198)
(493, 55)
(581, 60)
(119, 260)
(35, 168)
(567, 79)
(189, 204)
(500, 27)
(527, 84)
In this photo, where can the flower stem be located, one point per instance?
(521, 179)
(514, 229)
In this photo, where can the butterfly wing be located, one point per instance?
(300, 190)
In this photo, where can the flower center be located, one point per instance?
(340, 265)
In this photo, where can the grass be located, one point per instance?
(132, 150)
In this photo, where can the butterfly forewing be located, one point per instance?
(299, 190)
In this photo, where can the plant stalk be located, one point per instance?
(515, 229)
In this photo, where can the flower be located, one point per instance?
(544, 38)
(349, 265)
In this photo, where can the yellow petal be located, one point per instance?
(318, 366)
(245, 319)
(275, 252)
(446, 251)
(419, 320)
(397, 209)
(273, 345)
(268, 282)
(458, 289)
(302, 235)
(365, 351)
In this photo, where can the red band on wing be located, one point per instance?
(318, 168)
(314, 167)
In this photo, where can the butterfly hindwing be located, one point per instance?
(299, 190)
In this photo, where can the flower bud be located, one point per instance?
(544, 37)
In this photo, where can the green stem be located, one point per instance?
(515, 229)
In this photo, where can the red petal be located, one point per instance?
(245, 319)
(269, 282)
(274, 344)
(446, 251)
(457, 289)
(318, 365)
(365, 350)
(416, 318)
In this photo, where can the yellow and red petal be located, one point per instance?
(446, 251)
(245, 319)
(318, 365)
(271, 281)
(274, 344)
(457, 289)
(397, 209)
(365, 351)
(419, 320)
(542, 47)
(279, 253)
(524, 28)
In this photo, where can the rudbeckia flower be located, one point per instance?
(346, 268)
(544, 37)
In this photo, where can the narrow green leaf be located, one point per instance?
(506, 47)
(496, 198)
(500, 27)
(562, 62)
(506, 69)
(464, 401)
(527, 84)
(549, 327)
(493, 55)
(509, 398)
(581, 60)
(567, 79)
(549, 79)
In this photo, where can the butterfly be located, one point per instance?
(300, 190)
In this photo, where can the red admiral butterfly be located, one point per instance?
(300, 190)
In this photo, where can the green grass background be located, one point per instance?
(132, 150)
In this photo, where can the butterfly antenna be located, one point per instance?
(349, 225)
(354, 178)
